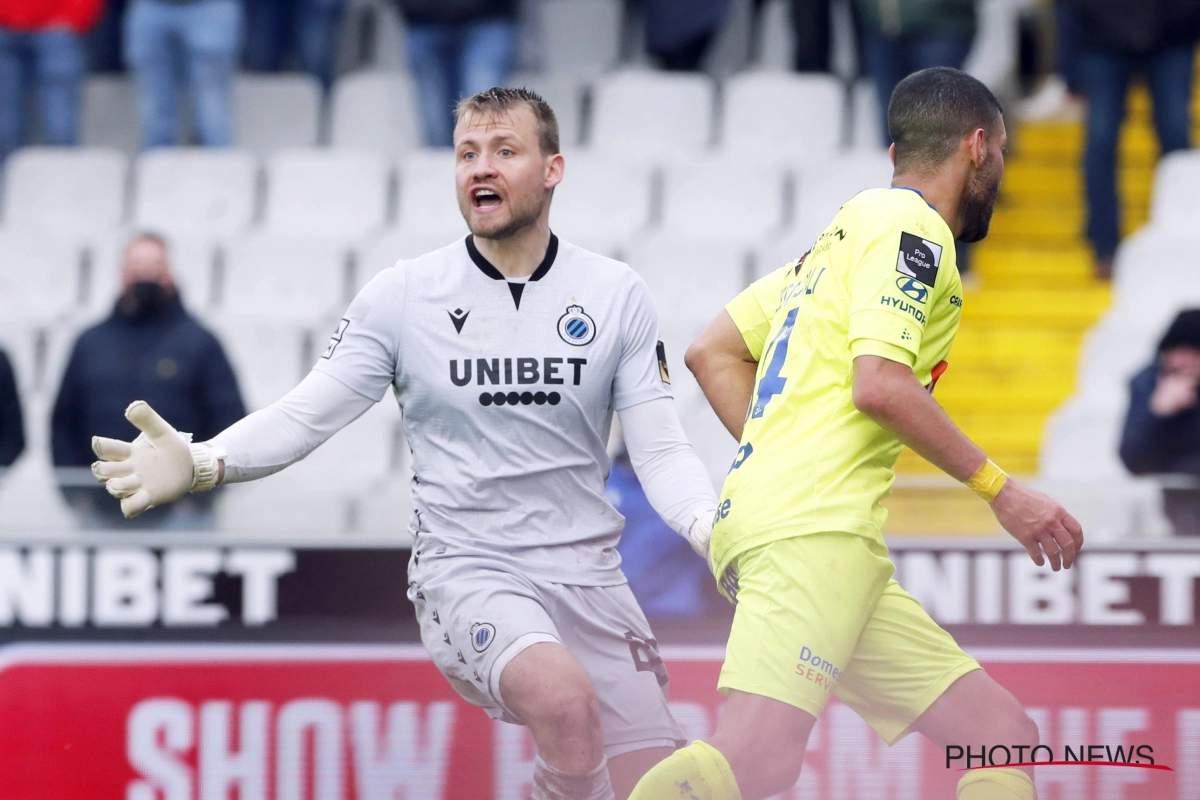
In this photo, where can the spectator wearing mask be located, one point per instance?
(12, 427)
(903, 36)
(196, 40)
(1120, 39)
(42, 54)
(679, 32)
(300, 34)
(149, 349)
(456, 48)
(1162, 426)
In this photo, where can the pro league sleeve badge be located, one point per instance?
(919, 258)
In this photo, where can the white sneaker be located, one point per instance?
(1051, 101)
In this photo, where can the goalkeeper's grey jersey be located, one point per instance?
(507, 391)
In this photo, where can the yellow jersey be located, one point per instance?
(880, 280)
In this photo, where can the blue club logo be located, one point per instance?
(575, 327)
(912, 288)
(482, 635)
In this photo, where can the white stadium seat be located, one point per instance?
(197, 191)
(602, 202)
(326, 193)
(376, 256)
(865, 124)
(1174, 205)
(822, 190)
(269, 357)
(580, 36)
(721, 198)
(74, 192)
(428, 201)
(109, 113)
(645, 114)
(1113, 351)
(783, 116)
(40, 276)
(387, 510)
(375, 111)
(1081, 442)
(274, 112)
(565, 94)
(279, 506)
(1156, 276)
(691, 280)
(287, 278)
(357, 458)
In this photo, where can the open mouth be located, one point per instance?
(485, 199)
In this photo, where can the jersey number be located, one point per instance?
(772, 383)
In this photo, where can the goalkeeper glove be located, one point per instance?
(700, 532)
(158, 467)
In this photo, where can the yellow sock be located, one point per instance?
(996, 784)
(696, 772)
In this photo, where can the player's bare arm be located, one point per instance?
(724, 368)
(889, 393)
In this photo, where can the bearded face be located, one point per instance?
(979, 199)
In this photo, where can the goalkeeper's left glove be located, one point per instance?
(158, 467)
(700, 532)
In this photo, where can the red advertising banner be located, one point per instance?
(363, 722)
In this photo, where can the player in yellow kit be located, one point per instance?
(824, 370)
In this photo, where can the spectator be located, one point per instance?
(12, 428)
(201, 40)
(104, 43)
(904, 36)
(457, 48)
(1162, 426)
(1118, 39)
(149, 349)
(283, 33)
(812, 33)
(679, 32)
(41, 51)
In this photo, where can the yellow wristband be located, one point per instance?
(987, 481)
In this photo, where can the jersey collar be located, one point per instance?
(488, 269)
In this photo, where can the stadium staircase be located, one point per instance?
(1025, 312)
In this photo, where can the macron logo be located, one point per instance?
(459, 318)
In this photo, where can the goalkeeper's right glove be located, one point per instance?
(158, 467)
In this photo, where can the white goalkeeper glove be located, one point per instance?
(700, 532)
(158, 467)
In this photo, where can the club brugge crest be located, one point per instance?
(576, 327)
(482, 634)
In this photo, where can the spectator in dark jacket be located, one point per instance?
(42, 54)
(12, 428)
(299, 34)
(456, 48)
(149, 349)
(1162, 427)
(1121, 38)
(679, 32)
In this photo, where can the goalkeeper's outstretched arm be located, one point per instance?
(162, 464)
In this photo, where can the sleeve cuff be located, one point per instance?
(874, 347)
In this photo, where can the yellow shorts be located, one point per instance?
(819, 614)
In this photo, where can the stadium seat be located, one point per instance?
(375, 111)
(1113, 352)
(387, 510)
(428, 202)
(602, 202)
(580, 36)
(865, 125)
(1174, 205)
(109, 114)
(196, 191)
(565, 93)
(286, 278)
(645, 114)
(73, 192)
(1111, 510)
(326, 193)
(723, 198)
(273, 112)
(1156, 275)
(1081, 442)
(691, 280)
(269, 357)
(357, 458)
(281, 506)
(40, 276)
(787, 116)
(822, 190)
(373, 257)
(30, 501)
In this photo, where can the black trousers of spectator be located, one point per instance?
(811, 31)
